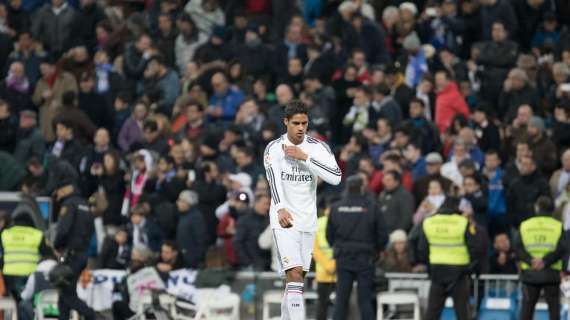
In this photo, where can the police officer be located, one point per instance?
(23, 246)
(539, 248)
(448, 244)
(356, 231)
(74, 231)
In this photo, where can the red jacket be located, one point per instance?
(449, 102)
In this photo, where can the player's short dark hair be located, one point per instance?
(544, 205)
(295, 107)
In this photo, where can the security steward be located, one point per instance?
(356, 231)
(448, 244)
(22, 247)
(539, 248)
(73, 234)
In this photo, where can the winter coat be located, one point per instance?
(248, 229)
(448, 104)
(30, 144)
(54, 31)
(49, 107)
(191, 238)
(522, 194)
(184, 50)
(397, 207)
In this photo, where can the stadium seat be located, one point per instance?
(498, 309)
(398, 298)
(46, 306)
(9, 306)
(223, 309)
(270, 298)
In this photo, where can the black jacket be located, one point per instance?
(74, 226)
(211, 195)
(109, 257)
(151, 231)
(356, 228)
(522, 194)
(495, 61)
(97, 108)
(547, 275)
(397, 207)
(249, 254)
(446, 274)
(191, 238)
(8, 133)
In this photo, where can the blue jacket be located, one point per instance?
(229, 102)
(496, 195)
(419, 169)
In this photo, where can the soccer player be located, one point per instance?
(293, 163)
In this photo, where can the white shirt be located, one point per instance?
(293, 183)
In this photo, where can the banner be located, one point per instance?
(98, 294)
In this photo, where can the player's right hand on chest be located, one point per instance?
(285, 218)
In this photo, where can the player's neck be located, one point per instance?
(294, 140)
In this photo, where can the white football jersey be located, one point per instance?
(293, 183)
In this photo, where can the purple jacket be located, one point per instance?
(129, 134)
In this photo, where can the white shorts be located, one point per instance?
(294, 249)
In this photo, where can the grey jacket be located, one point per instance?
(53, 30)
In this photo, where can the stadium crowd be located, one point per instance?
(159, 111)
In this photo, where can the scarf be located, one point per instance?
(134, 191)
(436, 201)
(19, 84)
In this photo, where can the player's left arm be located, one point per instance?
(321, 162)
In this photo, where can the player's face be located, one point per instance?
(297, 125)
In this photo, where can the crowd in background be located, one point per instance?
(161, 110)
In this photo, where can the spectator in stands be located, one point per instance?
(395, 258)
(517, 91)
(476, 198)
(107, 185)
(543, 149)
(503, 260)
(93, 103)
(190, 233)
(225, 102)
(450, 169)
(169, 259)
(16, 88)
(486, 131)
(53, 25)
(433, 168)
(397, 204)
(416, 161)
(385, 106)
(561, 177)
(449, 101)
(143, 229)
(132, 130)
(49, 92)
(163, 81)
(8, 128)
(115, 252)
(188, 40)
(431, 203)
(30, 142)
(496, 57)
(249, 226)
(66, 147)
(524, 191)
(496, 208)
(152, 139)
(206, 13)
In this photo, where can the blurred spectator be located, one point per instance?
(206, 13)
(496, 208)
(248, 228)
(449, 101)
(8, 128)
(433, 168)
(53, 25)
(190, 233)
(225, 102)
(16, 88)
(385, 106)
(496, 57)
(524, 190)
(163, 81)
(169, 259)
(49, 91)
(476, 198)
(431, 203)
(143, 229)
(132, 130)
(395, 258)
(486, 131)
(543, 149)
(416, 161)
(397, 204)
(503, 260)
(94, 104)
(30, 142)
(516, 92)
(116, 252)
(498, 10)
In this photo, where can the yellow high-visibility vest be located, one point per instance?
(323, 253)
(446, 237)
(21, 250)
(540, 236)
